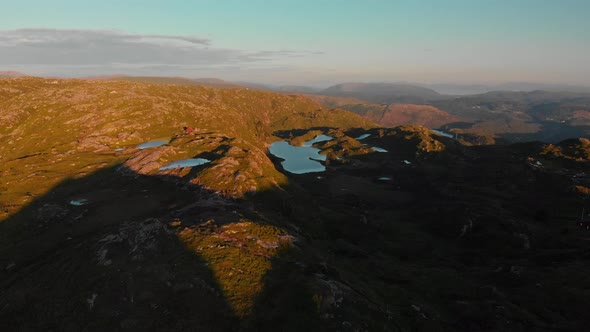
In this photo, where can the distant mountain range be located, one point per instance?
(383, 92)
(471, 89)
(507, 115)
(554, 113)
(371, 91)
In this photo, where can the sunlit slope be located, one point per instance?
(54, 129)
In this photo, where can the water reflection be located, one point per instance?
(185, 163)
(300, 159)
(442, 133)
(152, 144)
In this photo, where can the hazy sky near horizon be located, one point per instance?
(302, 41)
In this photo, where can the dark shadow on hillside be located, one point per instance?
(299, 131)
(550, 132)
(118, 262)
(435, 247)
(458, 125)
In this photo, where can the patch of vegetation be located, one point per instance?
(239, 256)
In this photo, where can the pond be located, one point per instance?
(191, 162)
(363, 136)
(79, 202)
(152, 144)
(378, 149)
(300, 159)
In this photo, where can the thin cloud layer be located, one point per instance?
(98, 51)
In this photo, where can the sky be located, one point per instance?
(311, 42)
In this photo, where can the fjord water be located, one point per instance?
(191, 162)
(300, 159)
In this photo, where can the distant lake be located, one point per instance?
(79, 202)
(363, 136)
(442, 133)
(300, 159)
(185, 163)
(152, 144)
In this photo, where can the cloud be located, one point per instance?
(69, 52)
(55, 37)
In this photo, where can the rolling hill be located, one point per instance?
(404, 230)
(105, 115)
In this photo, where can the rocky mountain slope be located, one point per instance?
(390, 115)
(393, 115)
(431, 235)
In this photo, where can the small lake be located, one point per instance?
(363, 136)
(300, 159)
(378, 149)
(152, 144)
(79, 202)
(442, 133)
(191, 162)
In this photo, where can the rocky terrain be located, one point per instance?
(432, 235)
(390, 115)
(492, 117)
(393, 115)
